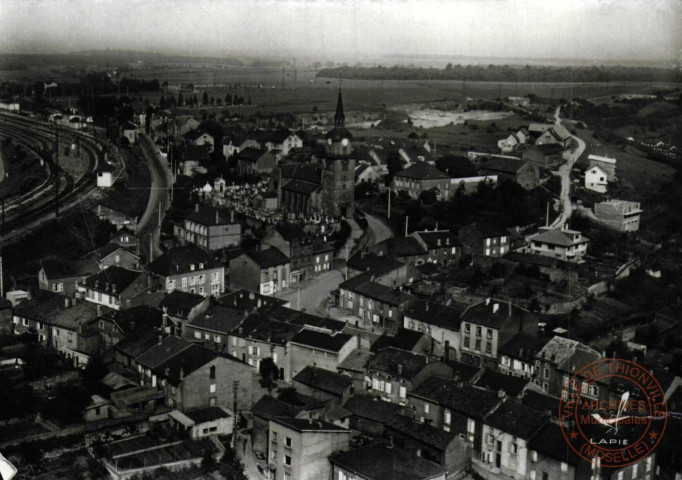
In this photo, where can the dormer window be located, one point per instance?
(201, 266)
(191, 267)
(439, 242)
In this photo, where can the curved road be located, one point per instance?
(565, 174)
(159, 199)
(380, 231)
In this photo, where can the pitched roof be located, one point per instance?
(437, 238)
(404, 339)
(135, 345)
(310, 173)
(219, 319)
(196, 153)
(261, 328)
(194, 134)
(599, 158)
(307, 425)
(74, 316)
(550, 442)
(366, 406)
(436, 314)
(210, 215)
(247, 299)
(186, 361)
(269, 406)
(269, 257)
(422, 171)
(502, 165)
(290, 232)
(119, 277)
(109, 249)
(405, 247)
(383, 462)
(301, 186)
(377, 265)
(69, 268)
(356, 361)
(492, 313)
(41, 306)
(250, 154)
(523, 346)
(559, 236)
(496, 381)
(206, 414)
(363, 286)
(162, 351)
(321, 341)
(422, 432)
(141, 317)
(324, 380)
(541, 402)
(179, 303)
(178, 260)
(474, 402)
(560, 132)
(392, 360)
(514, 419)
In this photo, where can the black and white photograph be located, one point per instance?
(341, 239)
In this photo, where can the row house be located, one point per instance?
(313, 348)
(199, 377)
(297, 245)
(115, 287)
(560, 243)
(440, 322)
(488, 325)
(282, 140)
(454, 406)
(517, 356)
(213, 326)
(300, 448)
(505, 435)
(179, 308)
(189, 269)
(422, 177)
(61, 276)
(385, 270)
(113, 254)
(210, 228)
(556, 363)
(392, 373)
(265, 271)
(75, 332)
(484, 239)
(120, 324)
(254, 161)
(418, 248)
(523, 172)
(199, 138)
(378, 307)
(383, 460)
(323, 384)
(32, 316)
(165, 348)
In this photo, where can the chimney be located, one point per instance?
(167, 371)
(160, 339)
(419, 452)
(400, 369)
(113, 288)
(427, 306)
(447, 350)
(521, 352)
(66, 302)
(196, 207)
(217, 217)
(496, 307)
(106, 289)
(487, 301)
(99, 310)
(182, 373)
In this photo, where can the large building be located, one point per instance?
(620, 215)
(560, 243)
(210, 228)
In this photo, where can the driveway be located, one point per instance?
(312, 294)
(565, 174)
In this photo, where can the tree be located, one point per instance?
(228, 99)
(204, 98)
(181, 100)
(94, 371)
(428, 197)
(448, 66)
(269, 374)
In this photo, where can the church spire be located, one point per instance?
(339, 117)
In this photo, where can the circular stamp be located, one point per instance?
(613, 412)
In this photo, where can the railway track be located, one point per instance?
(38, 136)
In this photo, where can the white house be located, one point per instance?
(105, 179)
(607, 164)
(596, 179)
(561, 243)
(366, 173)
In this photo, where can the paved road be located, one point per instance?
(159, 198)
(565, 174)
(2, 169)
(380, 230)
(313, 293)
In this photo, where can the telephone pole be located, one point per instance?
(56, 181)
(235, 423)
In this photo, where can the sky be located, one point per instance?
(352, 29)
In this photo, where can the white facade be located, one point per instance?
(596, 180)
(105, 179)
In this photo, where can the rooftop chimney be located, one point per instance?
(66, 302)
(196, 207)
(496, 307)
(160, 339)
(106, 289)
(217, 217)
(113, 288)
(487, 301)
(400, 369)
(232, 216)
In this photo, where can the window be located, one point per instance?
(447, 417)
(274, 455)
(565, 380)
(25, 322)
(388, 387)
(467, 328)
(488, 347)
(287, 441)
(546, 372)
(216, 338)
(532, 475)
(534, 455)
(184, 281)
(620, 475)
(287, 460)
(489, 333)
(274, 437)
(197, 334)
(505, 361)
(478, 344)
(545, 476)
(513, 448)
(564, 467)
(402, 392)
(211, 372)
(212, 388)
(479, 330)
(491, 439)
(426, 408)
(212, 402)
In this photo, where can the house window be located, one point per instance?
(489, 333)
(402, 391)
(478, 344)
(426, 408)
(211, 372)
(184, 281)
(447, 417)
(491, 439)
(564, 467)
(388, 387)
(505, 361)
(212, 402)
(466, 342)
(287, 441)
(479, 330)
(513, 448)
(287, 460)
(467, 328)
(534, 455)
(197, 335)
(488, 347)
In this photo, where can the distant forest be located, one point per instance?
(507, 73)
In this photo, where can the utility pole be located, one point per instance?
(407, 219)
(56, 181)
(2, 228)
(346, 260)
(389, 203)
(2, 280)
(151, 248)
(235, 424)
(298, 299)
(547, 217)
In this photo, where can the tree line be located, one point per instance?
(507, 73)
